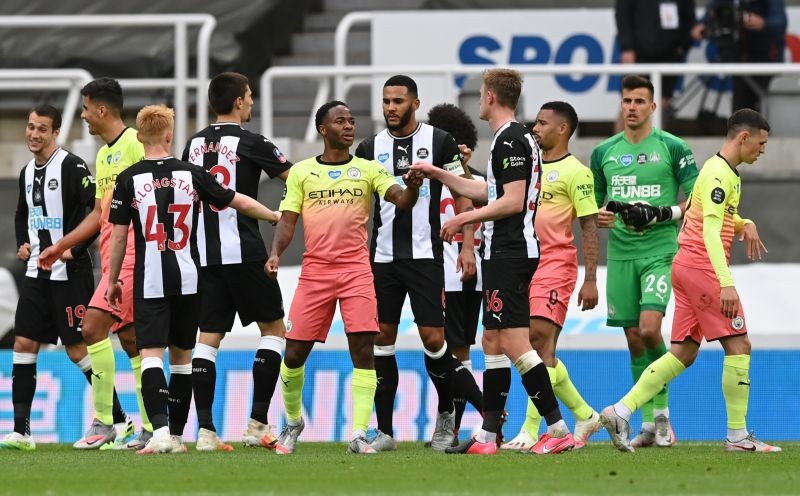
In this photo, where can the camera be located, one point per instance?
(724, 23)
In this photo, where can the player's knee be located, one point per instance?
(25, 345)
(432, 341)
(76, 352)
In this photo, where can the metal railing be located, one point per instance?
(324, 74)
(180, 83)
(71, 80)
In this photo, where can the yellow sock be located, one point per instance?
(654, 378)
(566, 391)
(292, 389)
(136, 365)
(101, 355)
(364, 384)
(736, 389)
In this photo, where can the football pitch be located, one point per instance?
(325, 468)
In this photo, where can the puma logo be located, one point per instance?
(497, 316)
(404, 148)
(510, 144)
(285, 383)
(314, 174)
(535, 396)
(613, 159)
(37, 179)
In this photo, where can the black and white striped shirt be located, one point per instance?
(452, 279)
(236, 157)
(514, 156)
(53, 199)
(162, 198)
(399, 234)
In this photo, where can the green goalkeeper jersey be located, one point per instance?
(646, 172)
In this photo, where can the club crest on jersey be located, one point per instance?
(52, 184)
(402, 163)
(117, 156)
(737, 323)
(641, 158)
(626, 159)
(334, 174)
(422, 153)
(552, 176)
(28, 188)
(654, 157)
(353, 173)
(37, 196)
(108, 160)
(383, 157)
(279, 155)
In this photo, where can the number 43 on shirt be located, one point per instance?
(154, 231)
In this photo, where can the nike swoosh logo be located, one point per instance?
(546, 450)
(743, 383)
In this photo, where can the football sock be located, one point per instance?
(136, 366)
(496, 384)
(364, 384)
(292, 388)
(536, 380)
(465, 389)
(204, 380)
(386, 371)
(736, 389)
(155, 393)
(566, 391)
(638, 364)
(23, 389)
(439, 365)
(266, 367)
(653, 379)
(661, 399)
(103, 372)
(117, 412)
(736, 435)
(180, 397)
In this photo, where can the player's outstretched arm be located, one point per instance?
(254, 209)
(466, 257)
(88, 228)
(283, 236)
(117, 245)
(588, 295)
(474, 190)
(405, 198)
(512, 202)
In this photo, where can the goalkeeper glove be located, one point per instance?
(640, 215)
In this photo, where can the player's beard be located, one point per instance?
(404, 120)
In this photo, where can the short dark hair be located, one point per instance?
(403, 80)
(324, 109)
(455, 121)
(224, 89)
(746, 120)
(634, 81)
(46, 110)
(105, 90)
(566, 111)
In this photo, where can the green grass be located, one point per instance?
(325, 468)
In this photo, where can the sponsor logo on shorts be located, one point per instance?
(737, 323)
(288, 326)
(611, 310)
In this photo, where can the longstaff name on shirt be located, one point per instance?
(221, 150)
(164, 182)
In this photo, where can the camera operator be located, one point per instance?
(746, 31)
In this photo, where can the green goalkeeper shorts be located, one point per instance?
(636, 285)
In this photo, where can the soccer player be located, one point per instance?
(706, 302)
(407, 259)
(160, 196)
(642, 165)
(567, 194)
(462, 284)
(332, 192)
(510, 258)
(102, 111)
(232, 256)
(56, 192)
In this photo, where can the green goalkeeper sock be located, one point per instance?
(103, 369)
(292, 389)
(653, 379)
(364, 384)
(566, 391)
(660, 400)
(136, 365)
(532, 417)
(736, 388)
(638, 364)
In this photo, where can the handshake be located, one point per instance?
(641, 215)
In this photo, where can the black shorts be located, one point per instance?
(244, 288)
(461, 312)
(422, 280)
(505, 292)
(48, 310)
(168, 321)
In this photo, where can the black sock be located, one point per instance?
(23, 388)
(180, 397)
(116, 410)
(155, 394)
(540, 391)
(496, 384)
(266, 368)
(386, 370)
(465, 390)
(440, 370)
(204, 380)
